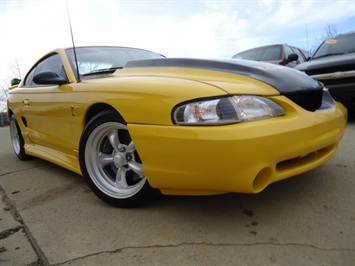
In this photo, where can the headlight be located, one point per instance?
(226, 110)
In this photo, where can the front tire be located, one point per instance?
(110, 163)
(17, 141)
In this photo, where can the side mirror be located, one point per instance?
(49, 78)
(15, 81)
(292, 57)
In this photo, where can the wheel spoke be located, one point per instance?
(105, 159)
(137, 168)
(131, 148)
(121, 181)
(113, 138)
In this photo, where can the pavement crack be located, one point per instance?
(119, 250)
(19, 171)
(6, 233)
(11, 207)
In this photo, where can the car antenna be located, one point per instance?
(72, 38)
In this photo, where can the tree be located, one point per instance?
(15, 71)
(329, 31)
(4, 91)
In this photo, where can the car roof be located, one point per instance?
(342, 34)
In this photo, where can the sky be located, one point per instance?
(175, 28)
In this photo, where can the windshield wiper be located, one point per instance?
(101, 71)
(325, 55)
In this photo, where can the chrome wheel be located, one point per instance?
(15, 137)
(112, 161)
(17, 140)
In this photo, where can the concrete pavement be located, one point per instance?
(48, 216)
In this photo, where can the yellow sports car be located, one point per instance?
(135, 123)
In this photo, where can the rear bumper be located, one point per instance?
(244, 157)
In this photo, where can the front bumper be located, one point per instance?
(244, 157)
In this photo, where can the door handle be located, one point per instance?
(26, 102)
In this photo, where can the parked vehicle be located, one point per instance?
(134, 123)
(281, 54)
(333, 64)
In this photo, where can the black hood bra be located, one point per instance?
(283, 79)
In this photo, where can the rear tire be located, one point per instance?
(110, 163)
(17, 141)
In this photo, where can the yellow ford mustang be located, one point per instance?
(134, 123)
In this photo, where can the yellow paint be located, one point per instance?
(185, 160)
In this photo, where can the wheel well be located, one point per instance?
(9, 114)
(97, 108)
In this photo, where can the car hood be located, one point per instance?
(285, 80)
(328, 62)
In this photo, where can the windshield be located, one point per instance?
(101, 59)
(266, 53)
(342, 44)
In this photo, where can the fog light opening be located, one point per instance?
(262, 180)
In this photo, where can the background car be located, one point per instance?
(333, 64)
(281, 54)
(135, 124)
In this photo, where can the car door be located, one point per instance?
(45, 109)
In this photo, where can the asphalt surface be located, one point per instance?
(48, 216)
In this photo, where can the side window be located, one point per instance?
(301, 58)
(288, 51)
(52, 63)
(29, 79)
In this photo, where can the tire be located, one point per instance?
(17, 141)
(110, 163)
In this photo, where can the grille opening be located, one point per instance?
(309, 100)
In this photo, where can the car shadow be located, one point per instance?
(275, 199)
(351, 116)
